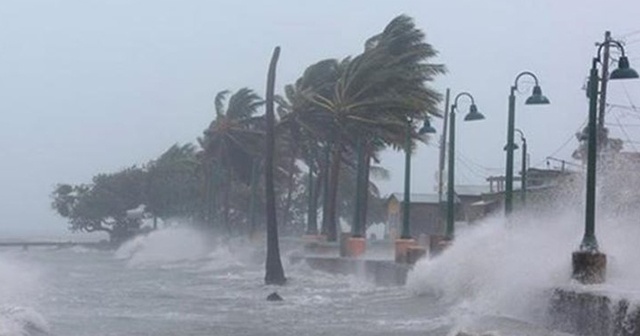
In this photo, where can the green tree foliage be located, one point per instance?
(371, 96)
(229, 147)
(174, 183)
(166, 188)
(102, 205)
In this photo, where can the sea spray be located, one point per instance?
(179, 245)
(21, 321)
(169, 245)
(19, 289)
(510, 268)
(498, 269)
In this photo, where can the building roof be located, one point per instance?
(422, 198)
(472, 190)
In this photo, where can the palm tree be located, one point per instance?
(230, 144)
(274, 274)
(375, 94)
(305, 125)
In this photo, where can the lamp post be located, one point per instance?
(589, 265)
(406, 210)
(523, 176)
(402, 245)
(536, 98)
(471, 116)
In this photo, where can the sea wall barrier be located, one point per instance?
(380, 272)
(594, 313)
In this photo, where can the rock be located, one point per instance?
(274, 297)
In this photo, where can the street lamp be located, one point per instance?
(523, 178)
(406, 208)
(536, 98)
(402, 245)
(471, 116)
(589, 265)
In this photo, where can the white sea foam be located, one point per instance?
(178, 246)
(19, 321)
(173, 244)
(501, 269)
(19, 288)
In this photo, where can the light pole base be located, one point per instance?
(355, 247)
(402, 249)
(589, 267)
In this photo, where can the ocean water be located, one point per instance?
(493, 281)
(173, 282)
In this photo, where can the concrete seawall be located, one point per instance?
(380, 272)
(594, 313)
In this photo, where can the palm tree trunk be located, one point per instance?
(290, 180)
(227, 198)
(255, 177)
(334, 177)
(325, 191)
(365, 189)
(211, 206)
(312, 210)
(274, 274)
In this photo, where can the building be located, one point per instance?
(428, 212)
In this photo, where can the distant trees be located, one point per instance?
(173, 184)
(102, 205)
(115, 203)
(336, 109)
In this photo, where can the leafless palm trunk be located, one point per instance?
(334, 177)
(274, 272)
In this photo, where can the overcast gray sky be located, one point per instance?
(93, 86)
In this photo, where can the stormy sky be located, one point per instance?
(94, 86)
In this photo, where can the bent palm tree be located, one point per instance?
(376, 92)
(230, 144)
(274, 274)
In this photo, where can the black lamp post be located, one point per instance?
(536, 98)
(589, 265)
(471, 116)
(523, 176)
(406, 206)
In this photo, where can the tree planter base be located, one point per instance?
(402, 249)
(437, 245)
(356, 247)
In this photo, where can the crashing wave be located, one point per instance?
(173, 244)
(19, 321)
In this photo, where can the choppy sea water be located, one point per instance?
(173, 282)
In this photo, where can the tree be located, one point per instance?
(102, 205)
(274, 272)
(230, 144)
(173, 184)
(372, 97)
